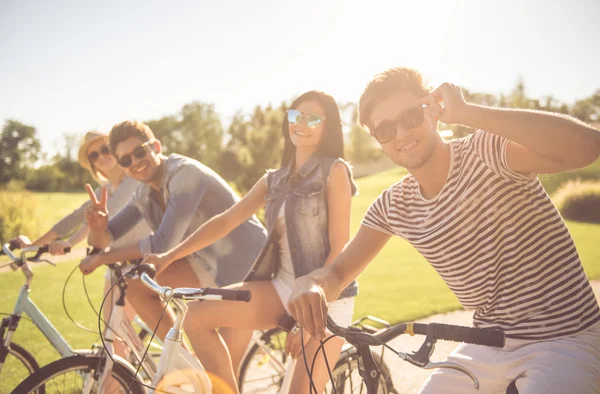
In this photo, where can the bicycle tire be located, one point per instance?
(122, 373)
(274, 379)
(26, 359)
(348, 361)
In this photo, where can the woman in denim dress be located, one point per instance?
(307, 212)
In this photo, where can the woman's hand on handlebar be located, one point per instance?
(160, 261)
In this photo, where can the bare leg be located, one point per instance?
(300, 382)
(149, 305)
(237, 341)
(262, 312)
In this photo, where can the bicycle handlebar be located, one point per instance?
(147, 272)
(7, 248)
(448, 332)
(432, 331)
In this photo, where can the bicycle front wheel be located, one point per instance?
(18, 365)
(263, 367)
(72, 374)
(347, 379)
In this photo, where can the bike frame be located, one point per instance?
(25, 305)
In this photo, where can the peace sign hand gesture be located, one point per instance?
(96, 214)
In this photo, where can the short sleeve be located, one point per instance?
(491, 148)
(377, 215)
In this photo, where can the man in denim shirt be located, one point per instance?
(176, 195)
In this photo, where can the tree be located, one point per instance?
(195, 132)
(588, 109)
(202, 133)
(254, 145)
(19, 149)
(362, 147)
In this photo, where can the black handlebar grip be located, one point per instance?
(46, 249)
(230, 294)
(149, 269)
(476, 336)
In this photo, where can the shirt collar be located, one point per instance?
(306, 168)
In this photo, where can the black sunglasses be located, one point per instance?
(409, 119)
(139, 152)
(95, 155)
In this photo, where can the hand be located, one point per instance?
(90, 263)
(446, 103)
(308, 305)
(22, 240)
(293, 343)
(57, 248)
(96, 215)
(160, 261)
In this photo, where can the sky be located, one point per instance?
(74, 66)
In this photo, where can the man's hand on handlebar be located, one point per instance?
(57, 248)
(159, 260)
(308, 305)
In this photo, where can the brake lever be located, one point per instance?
(455, 366)
(45, 261)
(421, 358)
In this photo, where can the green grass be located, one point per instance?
(54, 206)
(46, 291)
(398, 285)
(553, 182)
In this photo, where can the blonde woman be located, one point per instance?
(95, 156)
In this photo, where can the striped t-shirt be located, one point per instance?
(497, 240)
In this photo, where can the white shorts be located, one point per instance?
(340, 310)
(556, 366)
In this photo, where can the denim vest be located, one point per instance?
(306, 220)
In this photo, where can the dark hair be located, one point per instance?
(385, 84)
(332, 139)
(129, 128)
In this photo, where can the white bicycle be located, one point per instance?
(177, 371)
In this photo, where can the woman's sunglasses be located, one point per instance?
(409, 119)
(312, 121)
(139, 152)
(95, 155)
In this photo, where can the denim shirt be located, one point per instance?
(193, 193)
(306, 218)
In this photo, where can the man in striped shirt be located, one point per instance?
(474, 208)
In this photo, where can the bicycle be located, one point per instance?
(368, 368)
(92, 371)
(173, 357)
(265, 365)
(24, 363)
